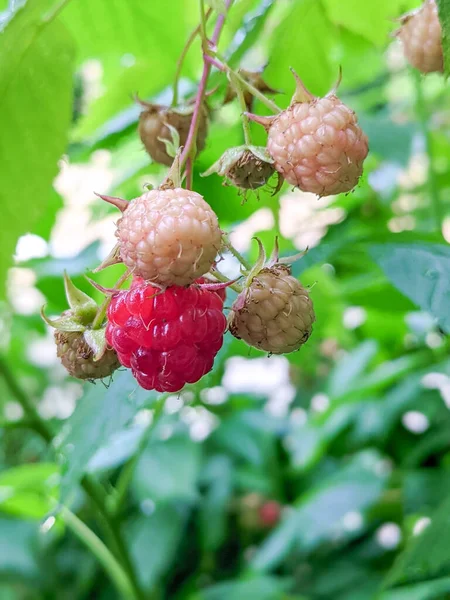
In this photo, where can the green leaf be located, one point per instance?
(257, 588)
(154, 540)
(29, 490)
(430, 590)
(369, 19)
(319, 512)
(18, 556)
(213, 506)
(100, 413)
(426, 556)
(137, 49)
(348, 370)
(249, 32)
(36, 66)
(120, 447)
(295, 43)
(168, 470)
(421, 272)
(389, 140)
(444, 18)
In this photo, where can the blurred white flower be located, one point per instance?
(420, 525)
(415, 421)
(388, 536)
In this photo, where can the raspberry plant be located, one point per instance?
(192, 418)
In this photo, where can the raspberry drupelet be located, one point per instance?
(168, 338)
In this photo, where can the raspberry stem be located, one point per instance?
(203, 22)
(183, 54)
(220, 277)
(100, 551)
(193, 129)
(101, 312)
(229, 246)
(223, 66)
(245, 121)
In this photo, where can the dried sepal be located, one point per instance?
(119, 203)
(301, 94)
(113, 258)
(260, 262)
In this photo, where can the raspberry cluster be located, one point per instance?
(168, 338)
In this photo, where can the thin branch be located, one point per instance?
(36, 421)
(183, 55)
(220, 64)
(91, 486)
(198, 106)
(229, 246)
(101, 552)
(245, 121)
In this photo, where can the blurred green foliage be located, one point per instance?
(359, 458)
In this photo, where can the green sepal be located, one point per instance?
(96, 340)
(260, 262)
(67, 322)
(173, 178)
(173, 144)
(83, 306)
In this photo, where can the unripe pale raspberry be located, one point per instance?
(318, 146)
(275, 314)
(169, 236)
(78, 358)
(250, 172)
(168, 338)
(153, 127)
(421, 35)
(246, 167)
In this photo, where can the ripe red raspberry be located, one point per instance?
(169, 236)
(421, 35)
(153, 127)
(270, 513)
(78, 357)
(167, 338)
(275, 313)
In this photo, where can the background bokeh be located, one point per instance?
(347, 439)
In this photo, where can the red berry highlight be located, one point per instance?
(168, 338)
(270, 513)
